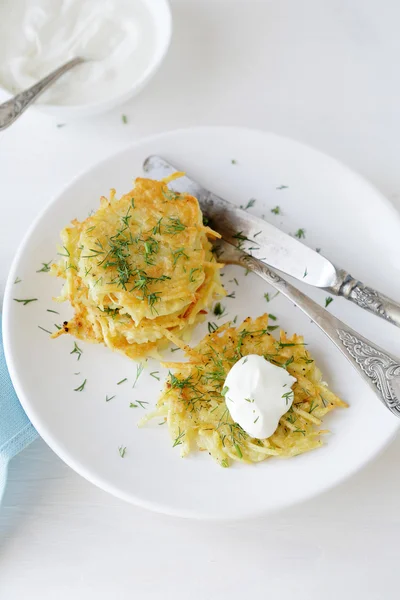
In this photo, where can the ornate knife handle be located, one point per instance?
(367, 298)
(379, 369)
(12, 109)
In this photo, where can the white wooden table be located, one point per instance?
(325, 73)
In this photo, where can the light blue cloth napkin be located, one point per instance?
(16, 431)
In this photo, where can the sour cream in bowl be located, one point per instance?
(125, 40)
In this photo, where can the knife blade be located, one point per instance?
(274, 247)
(253, 235)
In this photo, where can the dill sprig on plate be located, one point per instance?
(77, 350)
(45, 267)
(25, 301)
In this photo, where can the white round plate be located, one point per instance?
(341, 213)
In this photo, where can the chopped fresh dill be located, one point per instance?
(282, 187)
(256, 234)
(169, 194)
(26, 301)
(224, 390)
(191, 274)
(328, 300)
(43, 329)
(157, 228)
(255, 420)
(313, 406)
(268, 297)
(300, 233)
(178, 439)
(177, 254)
(152, 299)
(52, 311)
(238, 450)
(122, 451)
(175, 349)
(302, 431)
(273, 317)
(151, 247)
(324, 402)
(155, 375)
(17, 280)
(80, 388)
(287, 363)
(138, 403)
(175, 382)
(139, 371)
(175, 226)
(231, 295)
(233, 161)
(76, 350)
(94, 253)
(64, 254)
(288, 396)
(241, 239)
(124, 119)
(212, 327)
(45, 267)
(308, 361)
(122, 381)
(249, 204)
(276, 210)
(305, 273)
(109, 398)
(219, 310)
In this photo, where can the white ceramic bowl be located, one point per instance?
(161, 12)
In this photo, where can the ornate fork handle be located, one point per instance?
(380, 370)
(12, 109)
(367, 298)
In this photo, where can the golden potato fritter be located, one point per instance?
(193, 402)
(138, 270)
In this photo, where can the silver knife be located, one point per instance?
(274, 247)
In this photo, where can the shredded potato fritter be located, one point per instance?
(138, 270)
(195, 409)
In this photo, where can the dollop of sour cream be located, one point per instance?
(37, 36)
(257, 394)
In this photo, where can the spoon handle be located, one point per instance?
(13, 108)
(380, 370)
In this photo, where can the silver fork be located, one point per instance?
(380, 370)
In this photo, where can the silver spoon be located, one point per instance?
(13, 108)
(378, 368)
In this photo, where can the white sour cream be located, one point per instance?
(37, 36)
(257, 394)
